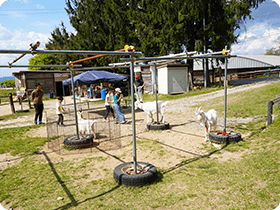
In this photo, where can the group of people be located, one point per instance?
(37, 98)
(114, 101)
(111, 101)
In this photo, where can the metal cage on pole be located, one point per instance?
(76, 52)
(223, 54)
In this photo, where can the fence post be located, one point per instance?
(12, 102)
(29, 103)
(269, 112)
(278, 96)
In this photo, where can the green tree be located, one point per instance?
(101, 25)
(8, 82)
(154, 27)
(273, 51)
(42, 59)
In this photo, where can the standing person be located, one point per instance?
(59, 111)
(36, 97)
(139, 84)
(109, 102)
(117, 98)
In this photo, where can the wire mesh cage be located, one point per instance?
(106, 134)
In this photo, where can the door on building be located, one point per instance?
(59, 89)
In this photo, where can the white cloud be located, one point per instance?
(4, 33)
(18, 40)
(278, 2)
(39, 6)
(42, 24)
(257, 40)
(2, 1)
(24, 1)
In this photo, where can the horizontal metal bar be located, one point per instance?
(177, 58)
(107, 67)
(24, 66)
(98, 68)
(76, 52)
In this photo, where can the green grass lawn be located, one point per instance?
(163, 97)
(250, 181)
(17, 114)
(253, 182)
(15, 141)
(5, 93)
(246, 104)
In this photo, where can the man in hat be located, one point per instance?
(117, 99)
(60, 110)
(139, 85)
(36, 97)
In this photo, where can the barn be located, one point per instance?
(51, 81)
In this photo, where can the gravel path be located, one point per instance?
(173, 106)
(195, 100)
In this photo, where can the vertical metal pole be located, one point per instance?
(204, 51)
(12, 103)
(204, 73)
(225, 102)
(128, 92)
(156, 90)
(63, 90)
(133, 116)
(75, 109)
(20, 99)
(188, 80)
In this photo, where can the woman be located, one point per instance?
(109, 102)
(117, 98)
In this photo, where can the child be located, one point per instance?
(117, 98)
(109, 102)
(60, 110)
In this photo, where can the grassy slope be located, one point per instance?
(247, 103)
(15, 141)
(253, 182)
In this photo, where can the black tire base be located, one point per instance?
(232, 136)
(24, 110)
(84, 141)
(164, 126)
(135, 180)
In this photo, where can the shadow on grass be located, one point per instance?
(110, 155)
(8, 160)
(69, 205)
(181, 124)
(184, 162)
(67, 191)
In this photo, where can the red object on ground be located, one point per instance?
(224, 134)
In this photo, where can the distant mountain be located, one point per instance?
(2, 79)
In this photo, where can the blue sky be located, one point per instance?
(26, 21)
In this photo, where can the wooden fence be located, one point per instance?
(270, 108)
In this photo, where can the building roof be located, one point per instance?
(40, 71)
(245, 61)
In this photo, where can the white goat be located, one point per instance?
(85, 125)
(207, 120)
(150, 109)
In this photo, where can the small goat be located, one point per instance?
(150, 109)
(207, 120)
(85, 125)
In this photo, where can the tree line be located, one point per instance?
(154, 27)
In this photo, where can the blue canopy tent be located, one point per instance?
(90, 77)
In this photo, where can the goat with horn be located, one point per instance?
(207, 120)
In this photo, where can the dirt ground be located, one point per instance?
(184, 139)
